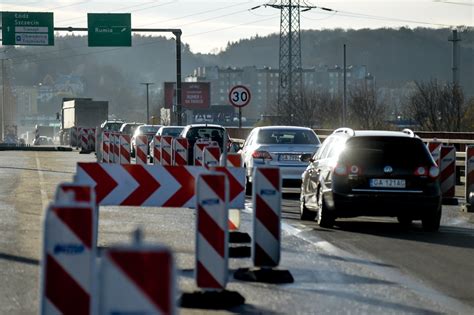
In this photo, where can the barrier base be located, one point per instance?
(467, 208)
(240, 252)
(450, 201)
(236, 237)
(211, 299)
(267, 275)
(85, 152)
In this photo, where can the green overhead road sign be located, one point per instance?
(27, 28)
(114, 29)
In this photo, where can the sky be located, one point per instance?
(209, 25)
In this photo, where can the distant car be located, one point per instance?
(371, 173)
(42, 140)
(111, 125)
(204, 131)
(279, 146)
(129, 128)
(173, 131)
(148, 130)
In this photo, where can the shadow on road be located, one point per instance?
(19, 259)
(34, 169)
(447, 235)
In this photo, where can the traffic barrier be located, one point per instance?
(112, 147)
(84, 132)
(68, 262)
(153, 185)
(156, 150)
(73, 136)
(435, 149)
(117, 147)
(141, 148)
(233, 159)
(469, 188)
(448, 173)
(105, 147)
(91, 132)
(37, 134)
(199, 149)
(211, 156)
(211, 273)
(125, 149)
(137, 279)
(180, 151)
(166, 150)
(266, 239)
(98, 144)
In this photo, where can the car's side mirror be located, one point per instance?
(306, 157)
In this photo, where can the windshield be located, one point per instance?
(287, 136)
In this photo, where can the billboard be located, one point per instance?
(195, 95)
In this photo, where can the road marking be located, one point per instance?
(44, 196)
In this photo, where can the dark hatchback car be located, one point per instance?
(371, 173)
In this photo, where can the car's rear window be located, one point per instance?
(399, 151)
(174, 132)
(113, 126)
(149, 129)
(216, 134)
(286, 136)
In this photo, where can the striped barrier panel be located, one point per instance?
(117, 147)
(91, 132)
(153, 185)
(105, 147)
(233, 159)
(156, 150)
(98, 144)
(435, 149)
(448, 171)
(469, 188)
(112, 147)
(37, 134)
(180, 151)
(84, 132)
(211, 156)
(137, 279)
(125, 157)
(68, 263)
(198, 150)
(212, 235)
(266, 217)
(166, 150)
(141, 148)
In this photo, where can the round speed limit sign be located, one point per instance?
(239, 96)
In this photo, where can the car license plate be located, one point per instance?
(289, 157)
(387, 183)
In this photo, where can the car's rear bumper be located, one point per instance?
(290, 175)
(382, 204)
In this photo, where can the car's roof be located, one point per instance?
(204, 125)
(383, 133)
(284, 127)
(151, 126)
(174, 127)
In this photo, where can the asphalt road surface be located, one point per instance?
(363, 265)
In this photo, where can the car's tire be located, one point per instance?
(248, 187)
(431, 221)
(404, 220)
(305, 213)
(324, 217)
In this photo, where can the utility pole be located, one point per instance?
(455, 40)
(344, 96)
(147, 101)
(290, 72)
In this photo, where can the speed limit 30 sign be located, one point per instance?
(239, 96)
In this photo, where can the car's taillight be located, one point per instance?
(340, 170)
(421, 171)
(261, 155)
(434, 172)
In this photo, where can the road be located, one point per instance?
(363, 265)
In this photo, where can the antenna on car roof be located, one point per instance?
(409, 132)
(349, 131)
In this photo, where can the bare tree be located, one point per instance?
(435, 106)
(365, 110)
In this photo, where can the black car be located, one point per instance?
(371, 173)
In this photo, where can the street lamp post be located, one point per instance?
(147, 101)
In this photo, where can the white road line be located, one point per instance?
(44, 196)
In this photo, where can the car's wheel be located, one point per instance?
(404, 220)
(305, 213)
(324, 217)
(431, 221)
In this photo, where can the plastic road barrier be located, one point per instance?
(112, 147)
(105, 147)
(84, 139)
(156, 150)
(141, 148)
(448, 171)
(166, 150)
(211, 156)
(435, 149)
(137, 279)
(469, 171)
(180, 151)
(212, 234)
(199, 149)
(125, 149)
(91, 139)
(117, 147)
(233, 159)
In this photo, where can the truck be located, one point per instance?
(81, 112)
(45, 131)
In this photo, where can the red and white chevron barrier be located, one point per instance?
(180, 151)
(266, 216)
(68, 263)
(156, 150)
(91, 132)
(469, 171)
(199, 150)
(117, 147)
(211, 156)
(125, 149)
(153, 185)
(137, 279)
(166, 150)
(141, 148)
(233, 159)
(105, 147)
(112, 147)
(70, 193)
(448, 171)
(435, 149)
(84, 132)
(212, 235)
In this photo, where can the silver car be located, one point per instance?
(279, 146)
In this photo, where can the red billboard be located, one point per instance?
(195, 95)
